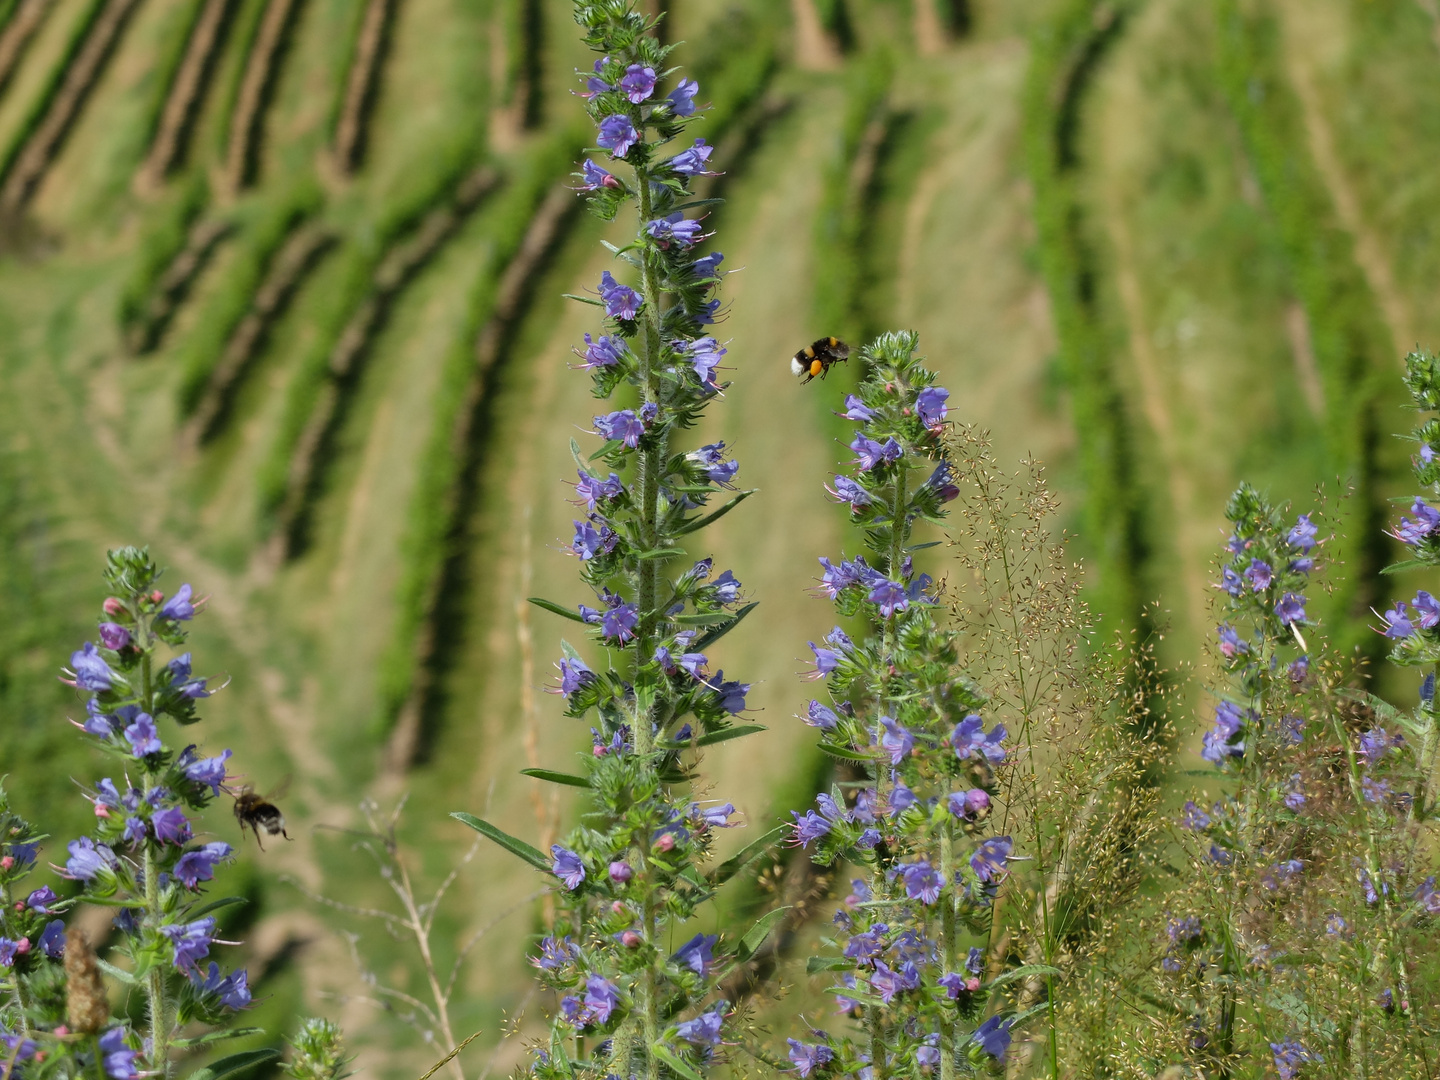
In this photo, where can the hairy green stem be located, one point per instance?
(947, 946)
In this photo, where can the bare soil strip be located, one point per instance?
(174, 285)
(249, 111)
(183, 101)
(42, 146)
(17, 34)
(360, 84)
(815, 50)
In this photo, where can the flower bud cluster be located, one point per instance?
(630, 1002)
(143, 856)
(910, 940)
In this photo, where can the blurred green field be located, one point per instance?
(1162, 245)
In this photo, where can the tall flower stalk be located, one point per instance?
(142, 857)
(912, 942)
(630, 1004)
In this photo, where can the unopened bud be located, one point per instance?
(113, 606)
(157, 597)
(630, 939)
(666, 842)
(19, 905)
(599, 749)
(23, 946)
(101, 810)
(7, 862)
(620, 872)
(972, 984)
(618, 907)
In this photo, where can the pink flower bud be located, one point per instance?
(600, 749)
(40, 1055)
(7, 862)
(972, 984)
(19, 905)
(618, 907)
(24, 946)
(157, 597)
(666, 842)
(62, 1030)
(630, 939)
(113, 606)
(101, 810)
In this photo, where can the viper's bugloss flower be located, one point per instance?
(1295, 793)
(91, 670)
(848, 491)
(233, 990)
(826, 661)
(199, 865)
(1289, 1056)
(40, 900)
(852, 572)
(113, 636)
(142, 736)
(820, 716)
(897, 741)
(7, 951)
(969, 805)
(890, 596)
(1336, 925)
(590, 541)
(170, 825)
(594, 490)
(1180, 931)
(1427, 521)
(807, 1057)
(888, 982)
(617, 134)
(901, 798)
(567, 866)
(970, 737)
(1290, 609)
(52, 939)
(704, 1030)
(942, 482)
(620, 872)
(209, 771)
(621, 426)
(621, 301)
(711, 458)
(1302, 535)
(682, 99)
(1231, 645)
(855, 409)
(675, 227)
(88, 859)
(1376, 743)
(555, 954)
(619, 622)
(1375, 791)
(179, 607)
(705, 356)
(1426, 896)
(573, 675)
(869, 453)
(930, 406)
(119, 1059)
(1298, 670)
(692, 162)
(191, 940)
(707, 266)
(180, 680)
(697, 954)
(594, 177)
(1231, 582)
(922, 882)
(1259, 575)
(605, 351)
(990, 858)
(809, 828)
(601, 997)
(638, 83)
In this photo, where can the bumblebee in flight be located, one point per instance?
(258, 812)
(815, 359)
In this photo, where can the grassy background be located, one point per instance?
(1160, 245)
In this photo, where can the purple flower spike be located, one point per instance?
(704, 1030)
(969, 737)
(170, 826)
(809, 828)
(1302, 536)
(1259, 575)
(692, 162)
(922, 882)
(807, 1057)
(179, 607)
(697, 954)
(897, 740)
(113, 636)
(119, 1058)
(1289, 1056)
(889, 596)
(622, 426)
(820, 716)
(191, 940)
(617, 134)
(567, 867)
(601, 997)
(143, 737)
(594, 177)
(1397, 622)
(619, 622)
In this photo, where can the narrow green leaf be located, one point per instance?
(817, 964)
(1024, 971)
(1406, 564)
(505, 840)
(713, 619)
(756, 935)
(922, 547)
(746, 855)
(556, 777)
(843, 752)
(563, 612)
(700, 523)
(235, 1063)
(216, 905)
(119, 974)
(583, 299)
(675, 1061)
(575, 453)
(739, 731)
(660, 553)
(704, 641)
(218, 1036)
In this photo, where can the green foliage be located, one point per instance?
(1067, 49)
(163, 239)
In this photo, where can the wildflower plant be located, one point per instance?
(632, 873)
(911, 941)
(143, 857)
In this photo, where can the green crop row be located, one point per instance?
(163, 239)
(359, 257)
(51, 91)
(1067, 48)
(427, 544)
(167, 67)
(260, 240)
(1353, 352)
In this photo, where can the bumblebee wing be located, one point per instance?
(280, 790)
